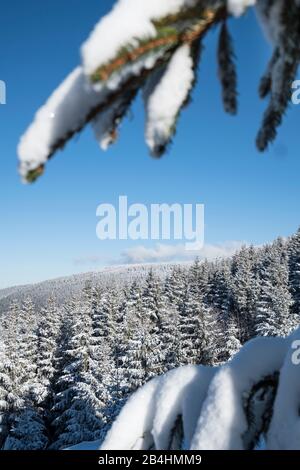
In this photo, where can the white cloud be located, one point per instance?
(163, 252)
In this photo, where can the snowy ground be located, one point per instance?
(211, 403)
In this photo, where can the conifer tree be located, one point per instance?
(100, 348)
(11, 400)
(174, 286)
(273, 307)
(47, 338)
(27, 429)
(210, 335)
(5, 388)
(245, 291)
(152, 307)
(294, 272)
(27, 343)
(135, 334)
(169, 337)
(77, 408)
(220, 293)
(199, 277)
(189, 327)
(230, 340)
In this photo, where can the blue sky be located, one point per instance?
(48, 227)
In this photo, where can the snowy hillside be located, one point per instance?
(64, 288)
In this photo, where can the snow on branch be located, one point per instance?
(133, 22)
(165, 93)
(64, 114)
(148, 40)
(256, 395)
(154, 46)
(238, 7)
(227, 71)
(73, 104)
(281, 19)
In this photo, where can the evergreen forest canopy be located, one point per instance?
(67, 370)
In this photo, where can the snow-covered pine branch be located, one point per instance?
(74, 103)
(155, 46)
(255, 396)
(170, 85)
(103, 89)
(282, 22)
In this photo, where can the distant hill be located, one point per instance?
(65, 288)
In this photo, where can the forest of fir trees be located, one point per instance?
(65, 371)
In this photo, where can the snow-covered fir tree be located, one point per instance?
(174, 286)
(77, 407)
(244, 287)
(11, 400)
(219, 289)
(294, 272)
(230, 343)
(47, 339)
(100, 348)
(190, 326)
(27, 429)
(5, 388)
(169, 337)
(152, 306)
(135, 332)
(27, 343)
(199, 274)
(273, 307)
